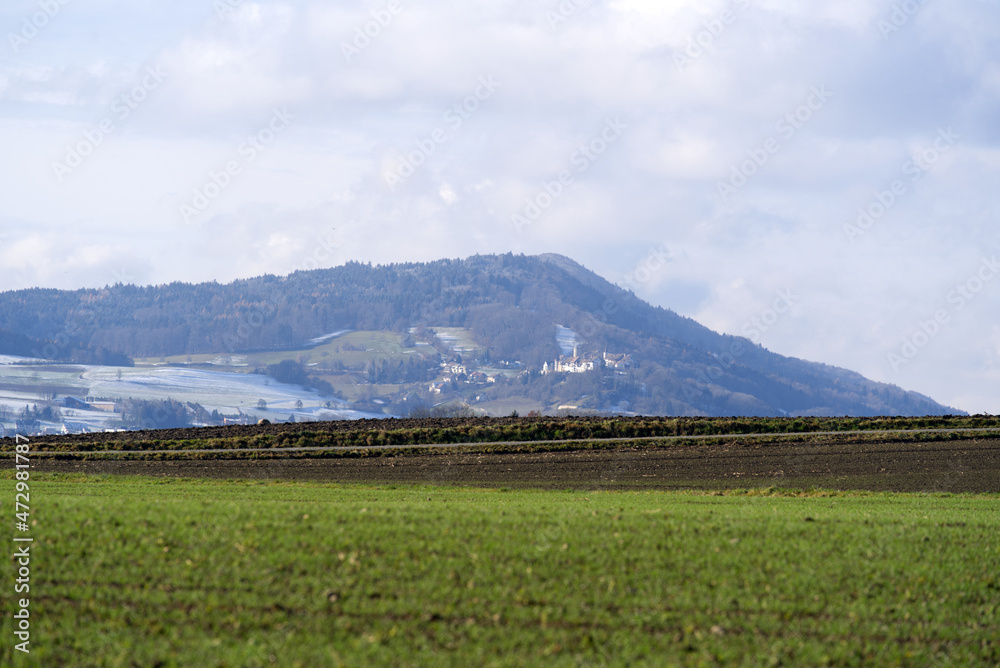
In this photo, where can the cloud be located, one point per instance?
(701, 86)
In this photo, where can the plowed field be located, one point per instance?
(942, 466)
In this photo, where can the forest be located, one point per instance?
(511, 304)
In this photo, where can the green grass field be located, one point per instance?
(153, 572)
(355, 350)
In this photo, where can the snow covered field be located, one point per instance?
(566, 338)
(22, 383)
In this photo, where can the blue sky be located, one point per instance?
(820, 176)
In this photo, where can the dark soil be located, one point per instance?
(944, 466)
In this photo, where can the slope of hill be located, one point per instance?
(505, 308)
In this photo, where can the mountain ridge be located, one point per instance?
(510, 305)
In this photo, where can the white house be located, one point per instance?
(574, 363)
(618, 361)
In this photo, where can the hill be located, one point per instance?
(496, 322)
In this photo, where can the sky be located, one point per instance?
(820, 177)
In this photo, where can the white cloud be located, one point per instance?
(117, 215)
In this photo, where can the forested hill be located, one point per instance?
(511, 304)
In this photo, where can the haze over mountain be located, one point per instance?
(512, 306)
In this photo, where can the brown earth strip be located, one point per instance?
(942, 466)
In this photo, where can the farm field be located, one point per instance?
(23, 383)
(952, 466)
(882, 454)
(624, 541)
(340, 359)
(177, 572)
(943, 454)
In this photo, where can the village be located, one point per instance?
(457, 373)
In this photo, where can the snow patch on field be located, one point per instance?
(566, 338)
(219, 390)
(10, 359)
(227, 392)
(328, 337)
(458, 339)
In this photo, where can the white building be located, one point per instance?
(574, 363)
